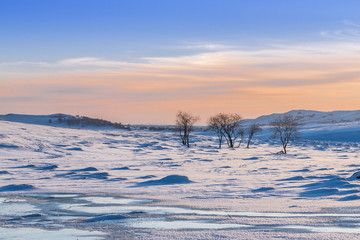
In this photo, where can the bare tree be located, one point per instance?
(286, 128)
(185, 123)
(227, 126)
(241, 135)
(214, 125)
(252, 129)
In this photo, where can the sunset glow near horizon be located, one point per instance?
(138, 61)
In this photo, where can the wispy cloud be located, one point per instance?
(322, 75)
(69, 64)
(350, 23)
(350, 32)
(206, 46)
(92, 61)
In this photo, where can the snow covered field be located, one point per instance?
(62, 183)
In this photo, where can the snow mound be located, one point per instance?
(84, 175)
(105, 218)
(16, 187)
(35, 215)
(262, 189)
(349, 198)
(5, 145)
(117, 179)
(27, 166)
(296, 178)
(121, 168)
(47, 167)
(251, 158)
(146, 177)
(334, 182)
(171, 179)
(75, 149)
(320, 192)
(302, 170)
(330, 185)
(88, 169)
(355, 176)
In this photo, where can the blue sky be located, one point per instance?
(151, 58)
(38, 30)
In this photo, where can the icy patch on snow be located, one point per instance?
(113, 200)
(153, 223)
(322, 229)
(41, 234)
(13, 207)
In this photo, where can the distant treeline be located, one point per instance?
(87, 121)
(156, 128)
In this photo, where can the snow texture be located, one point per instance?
(144, 184)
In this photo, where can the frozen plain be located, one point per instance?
(62, 183)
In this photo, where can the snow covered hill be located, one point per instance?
(343, 126)
(51, 119)
(306, 117)
(63, 120)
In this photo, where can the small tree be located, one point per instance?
(214, 125)
(252, 129)
(227, 126)
(286, 128)
(185, 125)
(241, 135)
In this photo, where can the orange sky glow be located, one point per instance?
(251, 83)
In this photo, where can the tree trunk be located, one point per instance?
(248, 143)
(231, 142)
(284, 146)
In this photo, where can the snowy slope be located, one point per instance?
(314, 125)
(62, 120)
(35, 119)
(146, 185)
(341, 126)
(306, 117)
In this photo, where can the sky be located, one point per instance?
(140, 61)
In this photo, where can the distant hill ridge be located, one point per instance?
(306, 117)
(61, 120)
